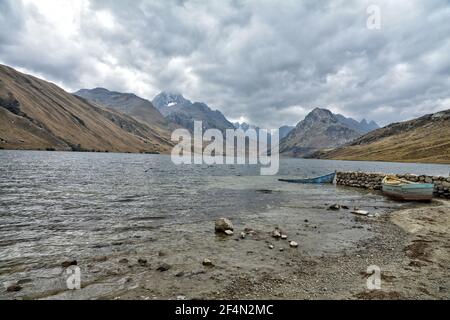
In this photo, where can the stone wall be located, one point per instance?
(373, 181)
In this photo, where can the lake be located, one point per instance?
(60, 205)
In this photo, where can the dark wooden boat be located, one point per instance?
(329, 178)
(406, 190)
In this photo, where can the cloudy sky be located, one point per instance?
(269, 62)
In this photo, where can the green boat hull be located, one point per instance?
(410, 192)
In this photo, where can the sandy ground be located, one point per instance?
(410, 246)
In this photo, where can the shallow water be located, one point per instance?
(55, 205)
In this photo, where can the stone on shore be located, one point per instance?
(243, 234)
(360, 212)
(142, 262)
(229, 232)
(207, 263)
(249, 231)
(284, 237)
(293, 244)
(223, 225)
(276, 233)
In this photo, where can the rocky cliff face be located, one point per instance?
(35, 114)
(166, 100)
(183, 112)
(321, 129)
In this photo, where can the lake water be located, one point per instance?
(57, 205)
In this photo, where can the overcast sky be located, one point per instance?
(268, 62)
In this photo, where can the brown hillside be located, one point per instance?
(35, 114)
(426, 139)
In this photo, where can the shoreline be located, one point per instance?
(410, 245)
(281, 156)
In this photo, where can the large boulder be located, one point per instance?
(223, 225)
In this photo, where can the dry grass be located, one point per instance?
(51, 118)
(429, 143)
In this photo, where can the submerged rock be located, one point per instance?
(101, 259)
(284, 237)
(265, 191)
(162, 254)
(223, 224)
(69, 263)
(24, 281)
(13, 288)
(271, 247)
(335, 207)
(124, 260)
(164, 267)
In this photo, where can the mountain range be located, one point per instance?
(322, 129)
(183, 112)
(38, 115)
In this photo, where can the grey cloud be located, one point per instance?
(268, 61)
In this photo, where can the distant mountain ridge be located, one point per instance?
(183, 112)
(321, 129)
(425, 139)
(363, 126)
(127, 103)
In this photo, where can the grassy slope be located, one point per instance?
(429, 142)
(56, 119)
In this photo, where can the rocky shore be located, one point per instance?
(268, 261)
(373, 181)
